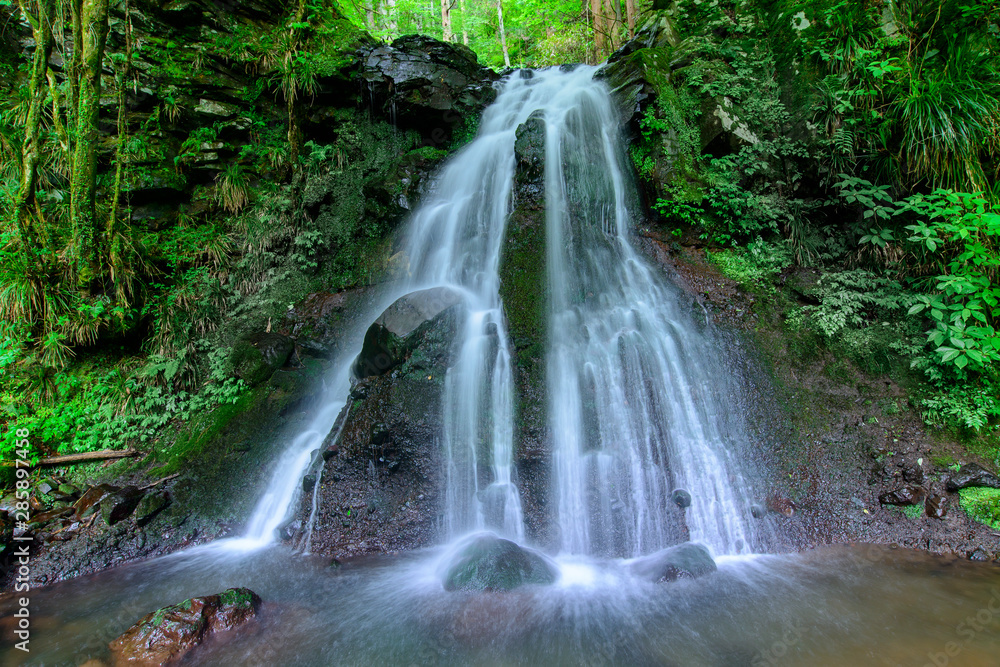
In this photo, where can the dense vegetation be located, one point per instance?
(868, 149)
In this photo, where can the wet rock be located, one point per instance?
(529, 152)
(758, 511)
(980, 556)
(781, 505)
(48, 485)
(6, 530)
(88, 502)
(681, 498)
(935, 506)
(150, 506)
(904, 495)
(66, 491)
(255, 358)
(972, 474)
(168, 635)
(427, 84)
(387, 341)
(42, 518)
(121, 505)
(913, 471)
(687, 560)
(490, 563)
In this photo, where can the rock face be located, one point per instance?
(490, 563)
(686, 560)
(379, 487)
(168, 635)
(385, 345)
(256, 357)
(428, 84)
(972, 474)
(524, 290)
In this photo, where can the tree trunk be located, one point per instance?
(295, 136)
(83, 185)
(465, 30)
(600, 31)
(75, 62)
(390, 17)
(370, 14)
(41, 27)
(503, 34)
(630, 17)
(448, 35)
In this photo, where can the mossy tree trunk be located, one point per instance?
(83, 181)
(41, 17)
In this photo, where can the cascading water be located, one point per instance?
(637, 404)
(635, 398)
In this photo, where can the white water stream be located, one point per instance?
(635, 400)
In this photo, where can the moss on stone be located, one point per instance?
(982, 504)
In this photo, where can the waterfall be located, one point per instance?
(637, 401)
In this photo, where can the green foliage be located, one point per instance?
(853, 300)
(755, 265)
(982, 504)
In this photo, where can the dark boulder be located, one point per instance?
(936, 506)
(904, 495)
(972, 474)
(121, 505)
(428, 84)
(529, 152)
(688, 560)
(150, 506)
(490, 563)
(167, 636)
(388, 341)
(681, 498)
(89, 501)
(255, 358)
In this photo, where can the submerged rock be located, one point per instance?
(972, 474)
(490, 563)
(167, 635)
(688, 560)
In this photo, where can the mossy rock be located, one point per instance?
(256, 358)
(489, 563)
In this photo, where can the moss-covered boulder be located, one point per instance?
(255, 358)
(168, 635)
(490, 563)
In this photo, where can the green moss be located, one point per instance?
(982, 504)
(237, 597)
(202, 430)
(524, 286)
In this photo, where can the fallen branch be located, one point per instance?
(69, 459)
